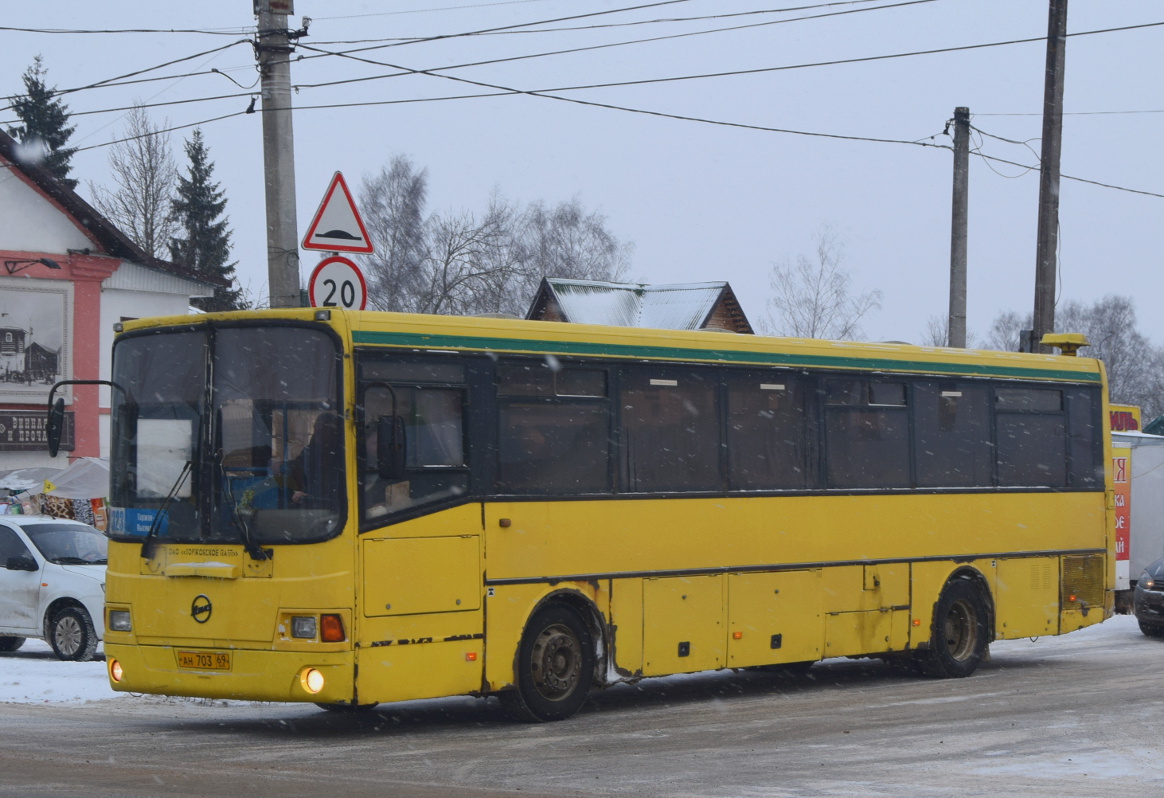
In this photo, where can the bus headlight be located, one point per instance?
(119, 621)
(311, 680)
(303, 626)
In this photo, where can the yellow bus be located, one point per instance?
(349, 508)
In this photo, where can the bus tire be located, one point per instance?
(555, 667)
(959, 636)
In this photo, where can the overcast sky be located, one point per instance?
(700, 201)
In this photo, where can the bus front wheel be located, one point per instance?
(960, 633)
(555, 667)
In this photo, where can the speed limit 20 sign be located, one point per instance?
(337, 283)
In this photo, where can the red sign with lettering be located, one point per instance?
(1122, 482)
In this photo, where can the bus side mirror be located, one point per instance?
(390, 447)
(54, 426)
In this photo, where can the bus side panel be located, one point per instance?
(683, 624)
(926, 584)
(509, 607)
(1027, 604)
(774, 618)
(866, 609)
(626, 621)
(407, 576)
(419, 668)
(422, 620)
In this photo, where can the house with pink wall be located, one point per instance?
(67, 275)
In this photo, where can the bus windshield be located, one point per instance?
(227, 434)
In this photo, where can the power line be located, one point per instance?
(427, 10)
(544, 92)
(325, 53)
(436, 72)
(1083, 113)
(166, 130)
(926, 142)
(1069, 177)
(402, 40)
(211, 32)
(109, 81)
(508, 91)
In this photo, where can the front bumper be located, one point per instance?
(1149, 606)
(253, 675)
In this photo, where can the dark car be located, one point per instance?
(1149, 607)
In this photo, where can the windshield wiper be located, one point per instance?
(146, 552)
(256, 551)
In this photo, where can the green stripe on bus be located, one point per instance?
(627, 351)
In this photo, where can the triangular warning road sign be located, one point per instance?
(337, 226)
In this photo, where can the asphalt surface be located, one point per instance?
(1079, 715)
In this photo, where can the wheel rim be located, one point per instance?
(556, 662)
(961, 630)
(67, 635)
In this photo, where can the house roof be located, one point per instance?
(680, 306)
(109, 238)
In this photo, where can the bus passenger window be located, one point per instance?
(952, 435)
(866, 434)
(1031, 432)
(553, 430)
(1086, 438)
(767, 431)
(670, 431)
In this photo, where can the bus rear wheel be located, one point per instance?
(960, 633)
(555, 667)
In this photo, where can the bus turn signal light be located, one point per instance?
(116, 672)
(331, 629)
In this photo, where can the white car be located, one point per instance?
(52, 584)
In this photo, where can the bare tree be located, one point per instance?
(462, 263)
(393, 204)
(145, 176)
(937, 333)
(466, 259)
(566, 241)
(1133, 364)
(1006, 331)
(812, 298)
(1135, 368)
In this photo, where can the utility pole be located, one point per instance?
(956, 325)
(273, 51)
(1048, 234)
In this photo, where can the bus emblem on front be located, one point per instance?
(200, 608)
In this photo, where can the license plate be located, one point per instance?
(204, 660)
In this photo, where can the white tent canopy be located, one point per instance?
(85, 478)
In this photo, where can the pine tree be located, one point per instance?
(46, 121)
(205, 248)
